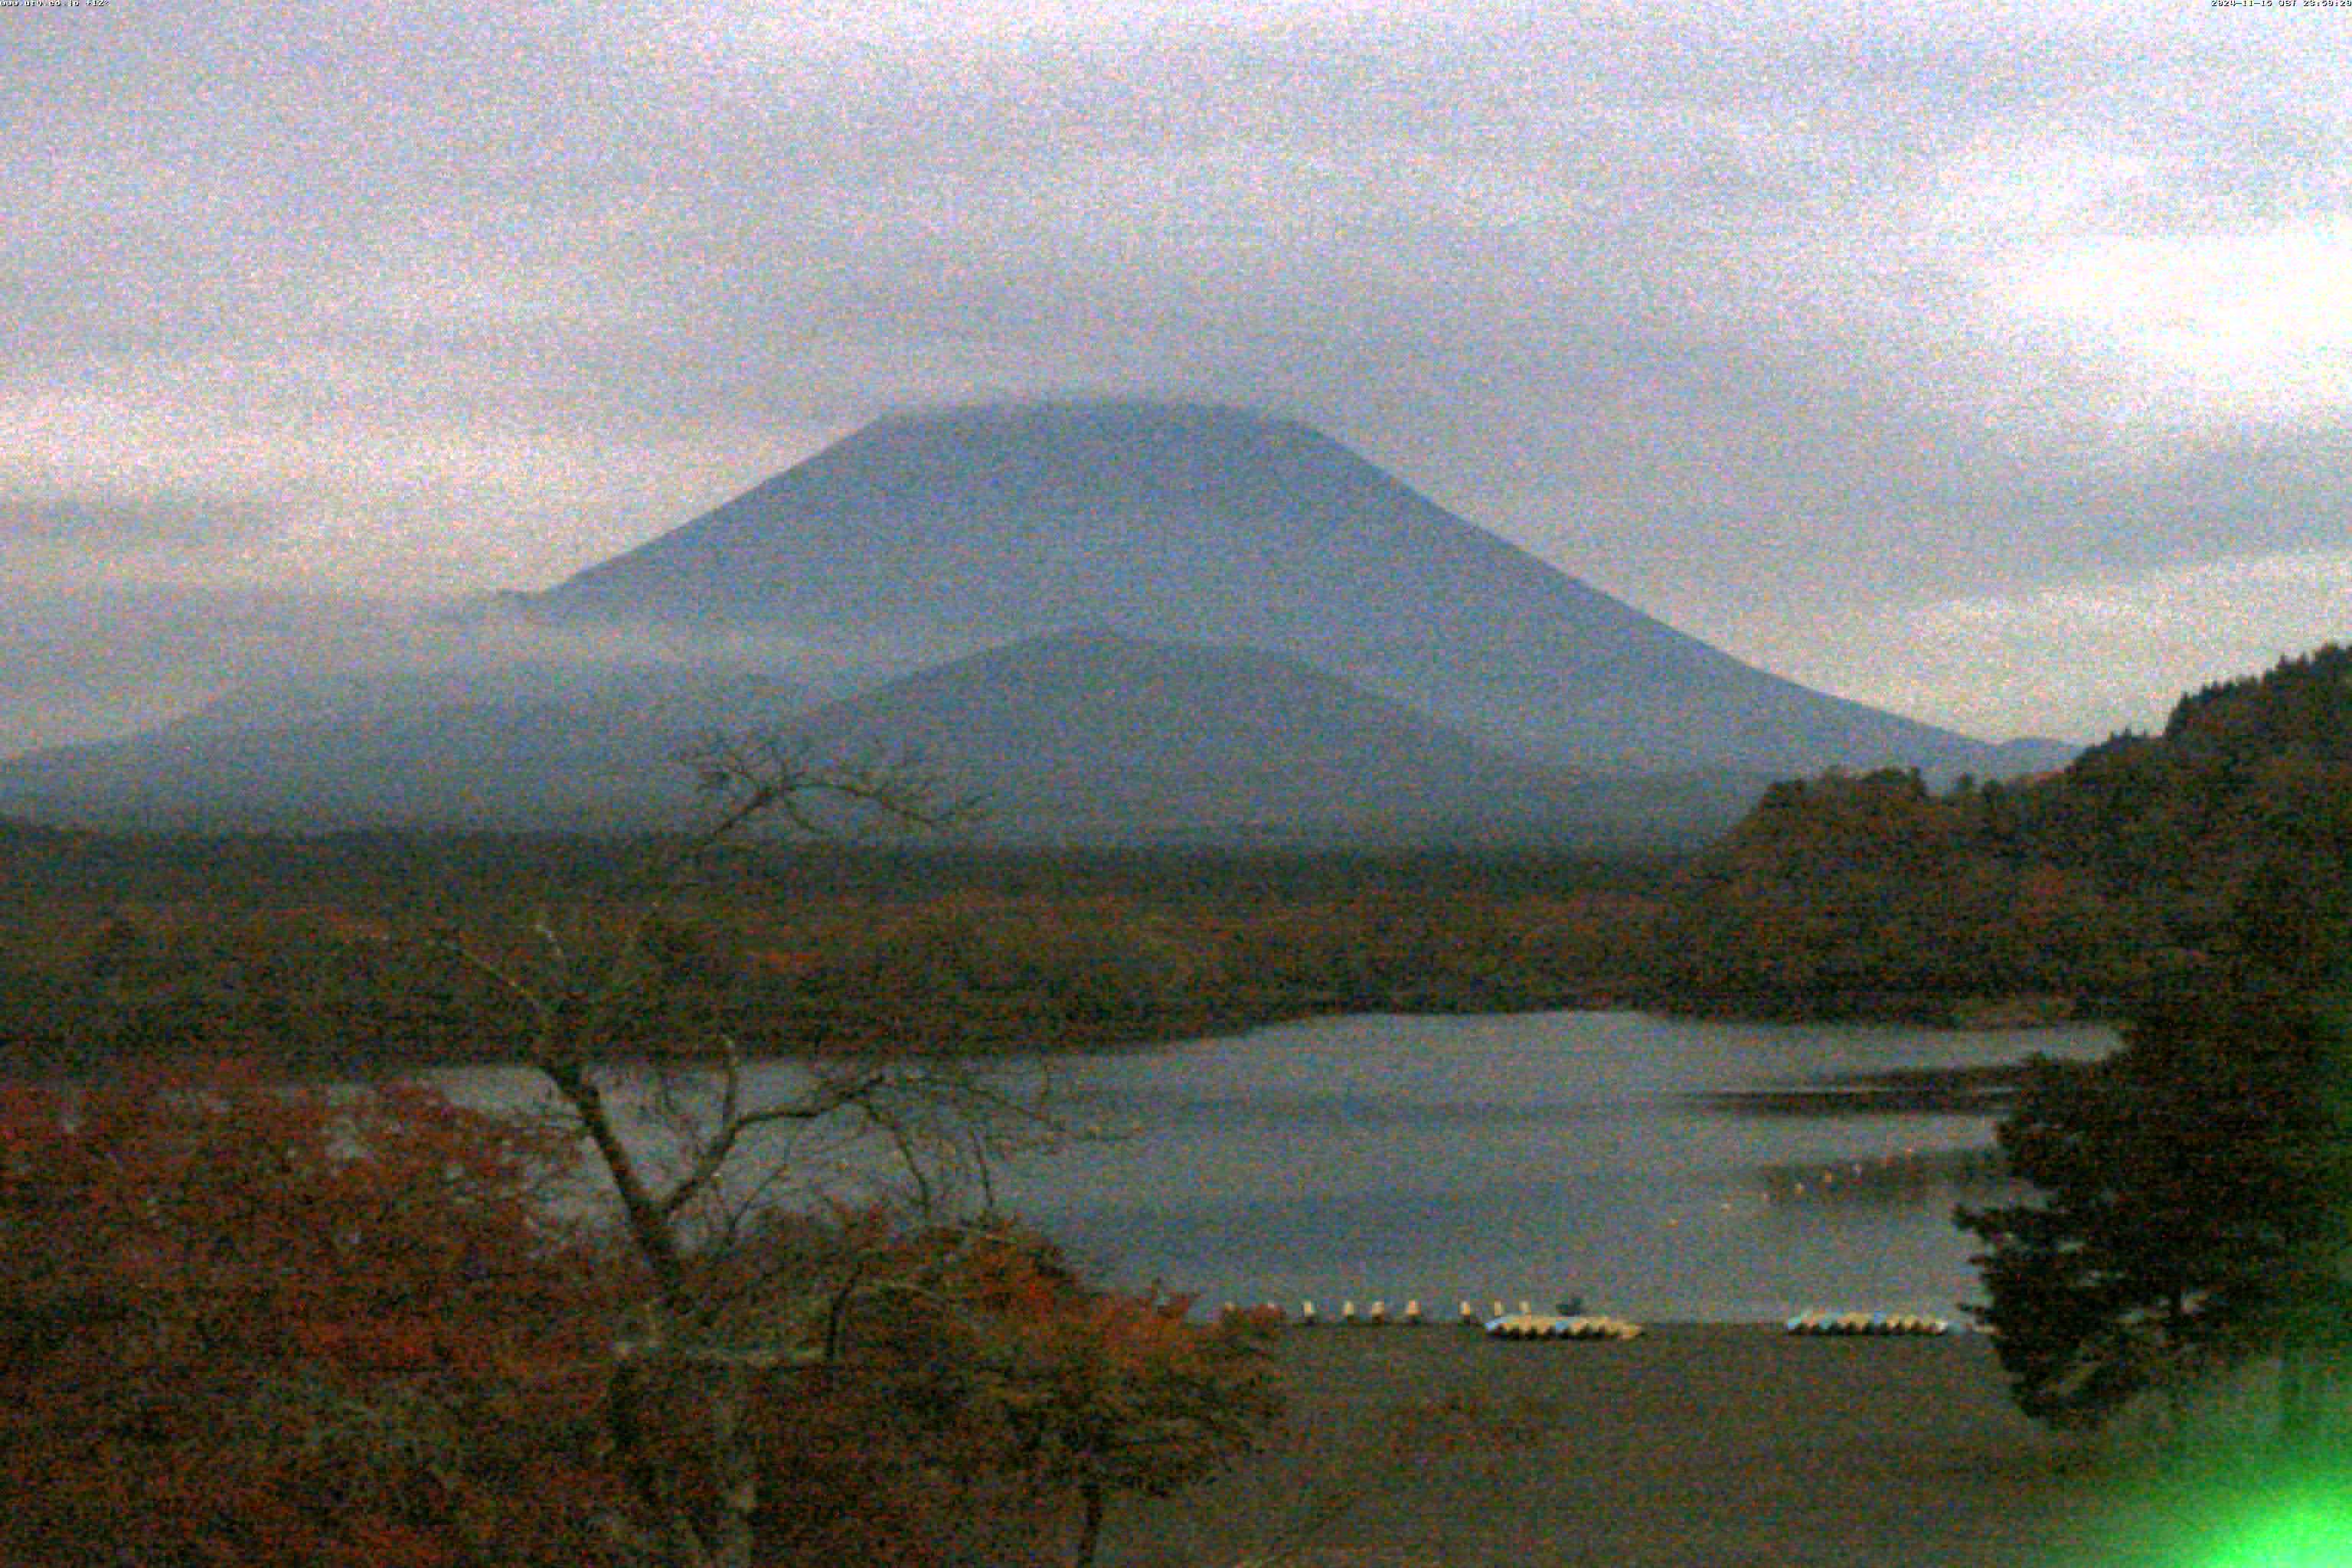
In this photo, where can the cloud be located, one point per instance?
(98, 661)
(102, 523)
(394, 471)
(2257, 325)
(1762, 317)
(2086, 659)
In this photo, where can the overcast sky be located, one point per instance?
(1990, 362)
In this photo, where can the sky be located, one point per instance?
(1990, 362)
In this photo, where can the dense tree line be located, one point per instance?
(2083, 888)
(338, 954)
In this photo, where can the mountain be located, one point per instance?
(1281, 644)
(1080, 737)
(1094, 737)
(927, 535)
(613, 695)
(522, 745)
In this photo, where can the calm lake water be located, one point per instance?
(1610, 1155)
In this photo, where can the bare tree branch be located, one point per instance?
(577, 1013)
(734, 1123)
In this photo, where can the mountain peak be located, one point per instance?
(1101, 414)
(935, 532)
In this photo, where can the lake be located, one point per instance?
(1660, 1168)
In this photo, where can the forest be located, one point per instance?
(2070, 894)
(337, 953)
(1864, 896)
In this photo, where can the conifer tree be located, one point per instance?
(2192, 1206)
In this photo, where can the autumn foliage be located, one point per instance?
(250, 1325)
(2093, 887)
(321, 958)
(245, 1324)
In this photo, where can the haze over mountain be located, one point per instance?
(928, 534)
(1081, 738)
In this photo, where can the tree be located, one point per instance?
(714, 1340)
(2191, 1208)
(246, 1323)
(1102, 1392)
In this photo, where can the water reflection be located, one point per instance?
(1653, 1166)
(1933, 1176)
(1660, 1168)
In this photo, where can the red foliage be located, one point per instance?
(256, 1325)
(253, 1325)
(982, 1396)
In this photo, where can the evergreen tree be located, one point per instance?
(2192, 1206)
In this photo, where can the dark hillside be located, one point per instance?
(1095, 738)
(1857, 895)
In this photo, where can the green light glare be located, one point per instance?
(2305, 1530)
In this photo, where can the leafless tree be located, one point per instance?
(936, 1118)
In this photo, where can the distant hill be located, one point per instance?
(1093, 737)
(926, 534)
(544, 746)
(1085, 737)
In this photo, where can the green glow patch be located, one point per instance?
(2304, 1530)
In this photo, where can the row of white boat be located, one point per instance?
(1867, 1323)
(1377, 1315)
(1528, 1324)
(1552, 1326)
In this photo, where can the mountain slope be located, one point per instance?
(1092, 737)
(1084, 738)
(946, 532)
(555, 747)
